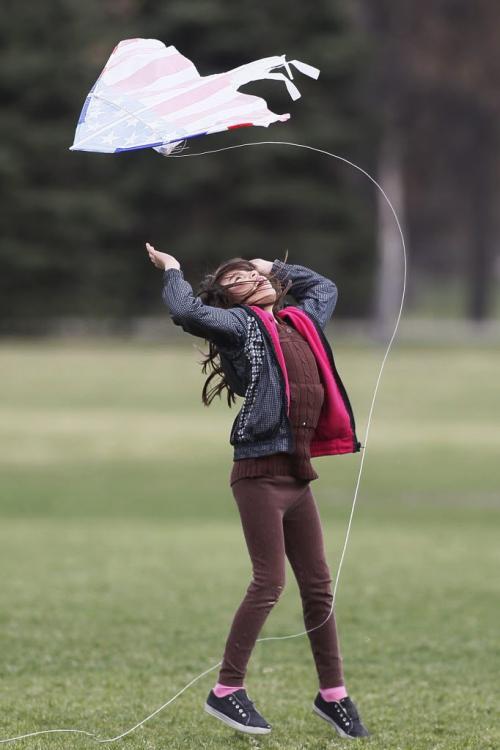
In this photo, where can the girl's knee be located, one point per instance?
(317, 590)
(268, 589)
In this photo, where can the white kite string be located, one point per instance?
(363, 452)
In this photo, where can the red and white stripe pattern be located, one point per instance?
(149, 95)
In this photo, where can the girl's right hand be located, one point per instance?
(161, 260)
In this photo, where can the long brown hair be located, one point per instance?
(211, 292)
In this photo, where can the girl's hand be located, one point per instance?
(161, 260)
(263, 266)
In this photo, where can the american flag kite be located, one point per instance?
(150, 96)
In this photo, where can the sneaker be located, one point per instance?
(342, 715)
(237, 711)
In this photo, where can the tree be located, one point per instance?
(74, 224)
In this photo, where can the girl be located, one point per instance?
(295, 407)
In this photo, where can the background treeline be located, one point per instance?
(407, 90)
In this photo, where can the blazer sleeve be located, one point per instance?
(225, 327)
(315, 294)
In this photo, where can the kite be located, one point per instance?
(150, 96)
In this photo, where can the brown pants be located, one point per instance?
(280, 517)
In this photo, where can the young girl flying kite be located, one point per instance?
(295, 407)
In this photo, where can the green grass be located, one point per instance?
(123, 558)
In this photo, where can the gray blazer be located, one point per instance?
(248, 357)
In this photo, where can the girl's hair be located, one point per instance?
(211, 292)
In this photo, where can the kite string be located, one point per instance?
(363, 452)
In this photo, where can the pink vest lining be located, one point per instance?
(333, 433)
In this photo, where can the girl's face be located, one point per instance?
(253, 283)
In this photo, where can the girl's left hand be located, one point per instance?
(262, 266)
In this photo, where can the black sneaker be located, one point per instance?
(237, 711)
(342, 715)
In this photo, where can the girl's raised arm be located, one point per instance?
(313, 292)
(226, 328)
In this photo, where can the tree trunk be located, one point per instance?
(389, 283)
(480, 257)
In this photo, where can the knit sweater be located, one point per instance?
(306, 400)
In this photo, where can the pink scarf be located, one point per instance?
(333, 432)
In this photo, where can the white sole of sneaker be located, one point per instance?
(338, 729)
(234, 724)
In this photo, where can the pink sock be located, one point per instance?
(222, 690)
(334, 693)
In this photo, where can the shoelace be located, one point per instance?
(246, 703)
(347, 704)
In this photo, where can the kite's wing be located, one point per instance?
(151, 96)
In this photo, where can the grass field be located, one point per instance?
(123, 559)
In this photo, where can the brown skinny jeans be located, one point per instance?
(280, 517)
